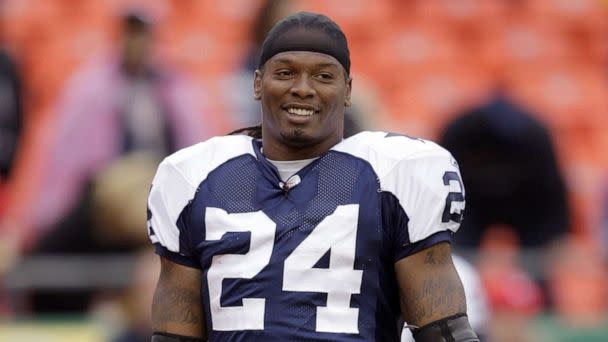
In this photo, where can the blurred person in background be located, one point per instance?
(116, 104)
(11, 115)
(509, 164)
(127, 319)
(11, 130)
(11, 118)
(123, 111)
(517, 202)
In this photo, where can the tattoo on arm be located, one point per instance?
(176, 306)
(430, 288)
(432, 257)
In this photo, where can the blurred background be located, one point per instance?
(94, 93)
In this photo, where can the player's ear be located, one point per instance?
(349, 86)
(257, 84)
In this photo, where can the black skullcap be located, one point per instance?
(305, 31)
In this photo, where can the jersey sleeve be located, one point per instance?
(428, 200)
(168, 202)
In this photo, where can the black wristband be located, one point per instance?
(159, 336)
(450, 329)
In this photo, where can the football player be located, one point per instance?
(302, 235)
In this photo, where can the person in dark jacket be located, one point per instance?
(508, 163)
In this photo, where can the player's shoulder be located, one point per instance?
(198, 160)
(384, 150)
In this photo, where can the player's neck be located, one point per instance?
(276, 150)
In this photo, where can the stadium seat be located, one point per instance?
(201, 53)
(232, 12)
(578, 283)
(419, 44)
(582, 156)
(84, 14)
(561, 94)
(588, 46)
(435, 93)
(361, 20)
(409, 48)
(464, 14)
(226, 20)
(583, 23)
(514, 41)
(570, 12)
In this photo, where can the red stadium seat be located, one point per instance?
(409, 47)
(578, 283)
(580, 12)
(583, 23)
(581, 151)
(459, 14)
(227, 20)
(199, 50)
(361, 20)
(520, 40)
(419, 44)
(434, 93)
(561, 95)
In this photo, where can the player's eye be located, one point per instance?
(283, 73)
(325, 76)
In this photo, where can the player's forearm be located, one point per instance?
(430, 287)
(176, 306)
(432, 296)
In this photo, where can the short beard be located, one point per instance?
(296, 138)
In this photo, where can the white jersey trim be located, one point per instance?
(178, 177)
(413, 171)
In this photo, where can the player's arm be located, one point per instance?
(177, 314)
(432, 297)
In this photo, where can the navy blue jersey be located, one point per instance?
(313, 260)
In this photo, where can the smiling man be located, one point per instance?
(295, 234)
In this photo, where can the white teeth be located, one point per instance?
(300, 111)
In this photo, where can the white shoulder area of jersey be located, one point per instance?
(384, 150)
(195, 162)
(177, 178)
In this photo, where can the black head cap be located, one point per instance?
(306, 31)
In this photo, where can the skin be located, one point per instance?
(301, 78)
(429, 287)
(136, 48)
(177, 306)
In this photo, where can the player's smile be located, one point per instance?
(299, 113)
(303, 96)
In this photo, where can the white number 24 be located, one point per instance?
(336, 232)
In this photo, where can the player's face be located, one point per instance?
(303, 96)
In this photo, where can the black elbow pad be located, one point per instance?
(450, 329)
(167, 337)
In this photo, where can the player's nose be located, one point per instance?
(302, 87)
